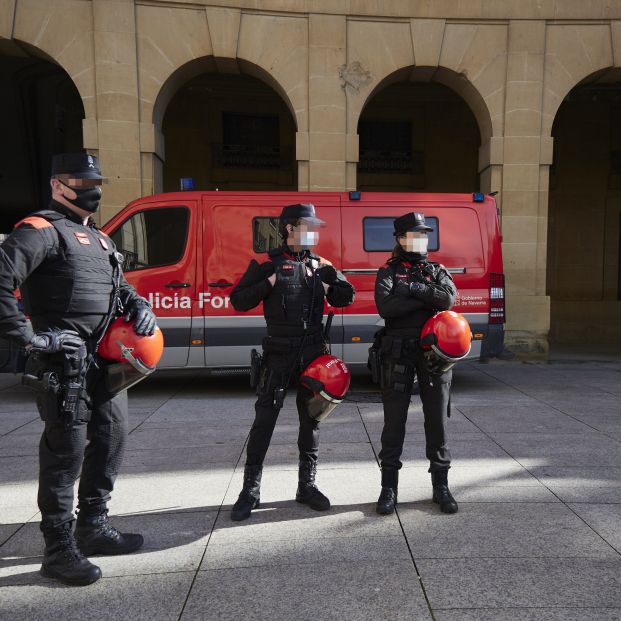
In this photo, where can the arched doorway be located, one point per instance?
(228, 132)
(584, 215)
(41, 114)
(417, 136)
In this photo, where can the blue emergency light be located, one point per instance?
(354, 196)
(478, 197)
(187, 184)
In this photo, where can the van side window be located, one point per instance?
(153, 238)
(378, 234)
(265, 235)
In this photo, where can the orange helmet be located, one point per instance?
(328, 378)
(445, 339)
(132, 357)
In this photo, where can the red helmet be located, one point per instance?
(133, 357)
(328, 378)
(445, 339)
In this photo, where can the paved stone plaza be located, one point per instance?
(537, 473)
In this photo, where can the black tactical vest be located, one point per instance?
(403, 271)
(296, 297)
(79, 281)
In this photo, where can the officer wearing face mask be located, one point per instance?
(408, 291)
(72, 287)
(292, 285)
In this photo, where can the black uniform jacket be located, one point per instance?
(27, 248)
(254, 287)
(402, 311)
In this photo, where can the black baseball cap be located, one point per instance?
(77, 165)
(412, 221)
(305, 211)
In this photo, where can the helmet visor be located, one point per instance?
(120, 376)
(320, 406)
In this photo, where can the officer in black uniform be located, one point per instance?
(71, 283)
(292, 285)
(408, 291)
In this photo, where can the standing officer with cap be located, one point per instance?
(292, 285)
(72, 286)
(408, 291)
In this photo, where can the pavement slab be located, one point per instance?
(147, 597)
(506, 530)
(358, 592)
(520, 582)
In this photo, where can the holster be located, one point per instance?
(374, 362)
(256, 360)
(398, 365)
(60, 382)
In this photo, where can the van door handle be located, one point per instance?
(177, 285)
(220, 284)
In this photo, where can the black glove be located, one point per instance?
(54, 341)
(266, 269)
(145, 320)
(418, 289)
(328, 274)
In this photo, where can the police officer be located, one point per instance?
(72, 286)
(408, 291)
(292, 285)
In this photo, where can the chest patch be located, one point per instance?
(287, 266)
(82, 238)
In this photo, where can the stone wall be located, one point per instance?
(512, 61)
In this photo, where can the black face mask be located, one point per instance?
(87, 199)
(412, 257)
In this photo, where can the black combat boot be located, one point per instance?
(387, 500)
(95, 535)
(63, 561)
(307, 493)
(441, 492)
(250, 496)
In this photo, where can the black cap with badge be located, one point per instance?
(301, 211)
(76, 165)
(412, 221)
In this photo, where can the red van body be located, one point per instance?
(185, 251)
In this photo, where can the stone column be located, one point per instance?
(327, 141)
(525, 190)
(116, 79)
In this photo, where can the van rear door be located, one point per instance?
(158, 243)
(236, 229)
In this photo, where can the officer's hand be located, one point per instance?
(54, 341)
(327, 274)
(145, 320)
(418, 289)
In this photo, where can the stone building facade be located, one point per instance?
(530, 86)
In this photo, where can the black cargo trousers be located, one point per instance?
(401, 364)
(94, 443)
(281, 362)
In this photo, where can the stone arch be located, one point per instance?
(456, 82)
(585, 185)
(214, 96)
(41, 113)
(573, 53)
(210, 64)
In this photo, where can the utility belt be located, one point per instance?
(388, 348)
(60, 381)
(289, 344)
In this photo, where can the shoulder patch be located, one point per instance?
(36, 222)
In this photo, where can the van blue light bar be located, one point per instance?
(478, 197)
(354, 196)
